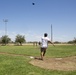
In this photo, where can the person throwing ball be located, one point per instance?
(44, 44)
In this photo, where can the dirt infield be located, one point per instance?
(63, 64)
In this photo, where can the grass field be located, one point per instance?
(14, 60)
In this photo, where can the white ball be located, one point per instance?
(31, 57)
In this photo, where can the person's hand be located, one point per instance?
(53, 45)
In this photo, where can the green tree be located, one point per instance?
(5, 40)
(70, 42)
(20, 39)
(0, 40)
(74, 40)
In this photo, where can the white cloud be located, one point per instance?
(32, 37)
(62, 38)
(29, 36)
(2, 32)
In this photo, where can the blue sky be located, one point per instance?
(34, 20)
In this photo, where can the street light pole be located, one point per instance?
(51, 33)
(5, 21)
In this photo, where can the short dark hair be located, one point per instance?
(45, 34)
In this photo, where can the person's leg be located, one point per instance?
(41, 55)
(42, 52)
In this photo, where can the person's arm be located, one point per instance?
(52, 43)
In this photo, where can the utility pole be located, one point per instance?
(51, 33)
(5, 21)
